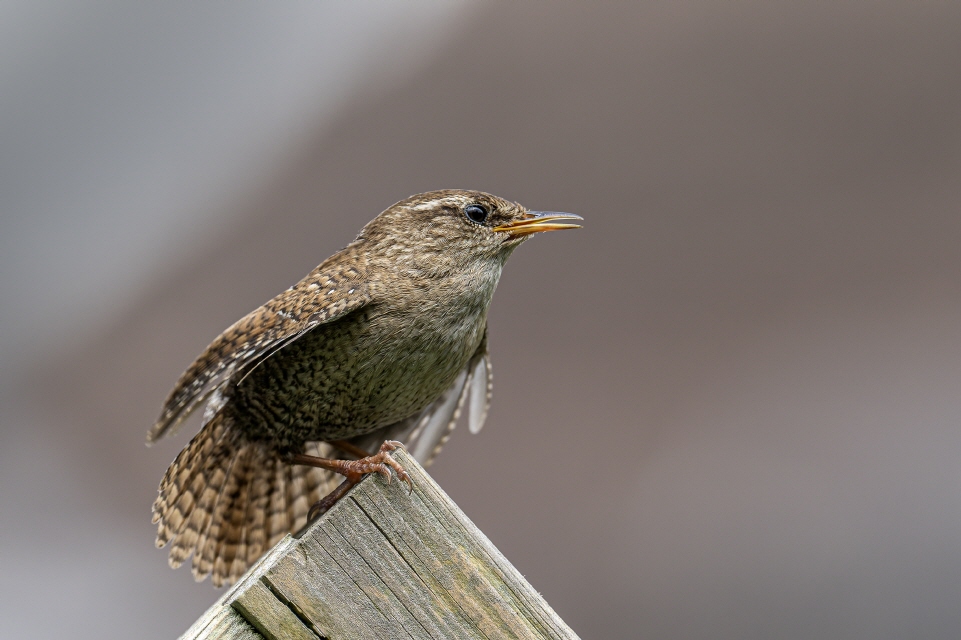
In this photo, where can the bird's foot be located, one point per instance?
(354, 471)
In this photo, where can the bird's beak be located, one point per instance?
(537, 221)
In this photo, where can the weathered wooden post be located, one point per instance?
(382, 564)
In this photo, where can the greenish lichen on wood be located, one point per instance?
(385, 564)
(272, 617)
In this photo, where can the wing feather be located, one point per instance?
(481, 386)
(329, 292)
(440, 421)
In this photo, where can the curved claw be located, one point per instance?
(391, 445)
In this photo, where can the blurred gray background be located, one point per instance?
(727, 408)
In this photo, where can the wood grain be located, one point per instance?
(385, 564)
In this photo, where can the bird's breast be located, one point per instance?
(411, 358)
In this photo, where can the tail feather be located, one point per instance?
(186, 474)
(225, 501)
(182, 510)
(256, 532)
(296, 496)
(204, 547)
(213, 544)
(196, 502)
(232, 537)
(277, 523)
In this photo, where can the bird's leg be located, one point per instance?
(354, 471)
(324, 504)
(347, 447)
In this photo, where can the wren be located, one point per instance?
(382, 343)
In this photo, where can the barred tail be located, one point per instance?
(226, 501)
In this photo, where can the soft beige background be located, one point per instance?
(727, 408)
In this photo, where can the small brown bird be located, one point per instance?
(380, 343)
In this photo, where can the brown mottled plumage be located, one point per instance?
(383, 341)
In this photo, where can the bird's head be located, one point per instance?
(455, 230)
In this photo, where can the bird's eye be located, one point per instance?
(476, 213)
